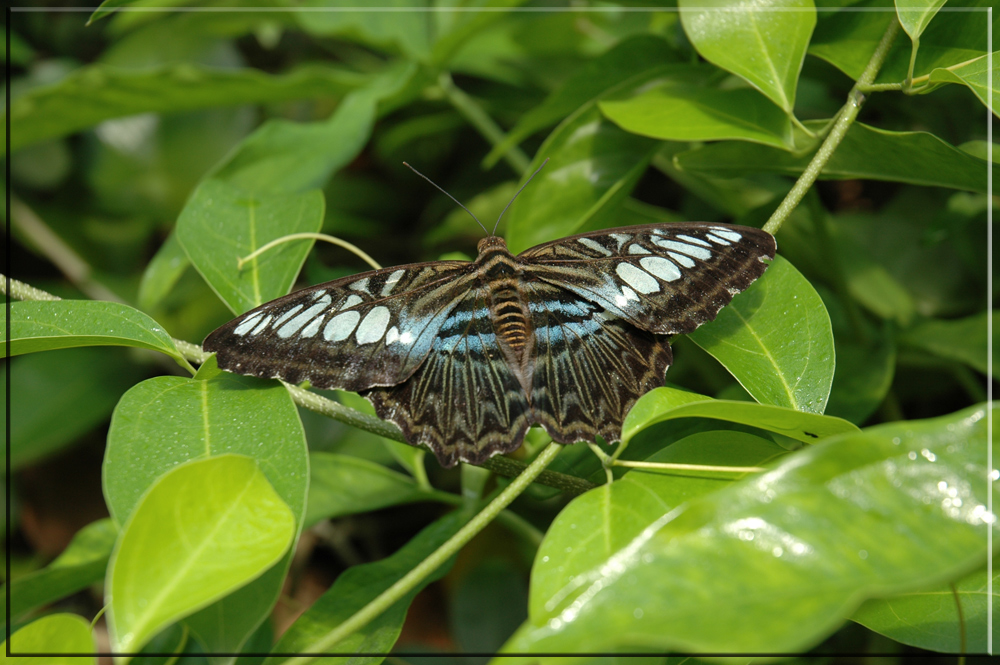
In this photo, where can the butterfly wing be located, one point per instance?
(463, 402)
(590, 366)
(663, 278)
(370, 329)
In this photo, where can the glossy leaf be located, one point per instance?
(914, 15)
(593, 167)
(161, 275)
(166, 421)
(964, 340)
(81, 564)
(974, 75)
(591, 81)
(343, 485)
(862, 514)
(97, 93)
(202, 530)
(776, 339)
(930, 618)
(763, 42)
(45, 325)
(81, 385)
(223, 223)
(358, 586)
(52, 634)
(676, 111)
(283, 156)
(595, 526)
(668, 403)
(866, 153)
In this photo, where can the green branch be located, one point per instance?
(848, 113)
(408, 582)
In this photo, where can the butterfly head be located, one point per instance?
(491, 244)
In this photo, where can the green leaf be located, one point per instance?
(343, 485)
(45, 325)
(860, 515)
(589, 82)
(161, 275)
(776, 339)
(284, 156)
(97, 93)
(81, 564)
(930, 619)
(408, 32)
(914, 15)
(593, 167)
(81, 385)
(202, 530)
(866, 153)
(107, 8)
(358, 586)
(667, 403)
(596, 525)
(53, 634)
(167, 421)
(973, 74)
(762, 41)
(847, 39)
(863, 378)
(964, 340)
(676, 111)
(223, 223)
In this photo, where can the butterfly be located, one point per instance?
(465, 356)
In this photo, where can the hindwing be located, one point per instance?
(366, 330)
(663, 278)
(591, 366)
(464, 402)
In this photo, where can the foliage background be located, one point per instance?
(121, 128)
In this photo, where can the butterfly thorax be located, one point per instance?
(500, 274)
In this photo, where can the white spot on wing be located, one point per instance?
(637, 279)
(321, 292)
(661, 267)
(685, 261)
(391, 336)
(247, 324)
(263, 324)
(341, 326)
(694, 241)
(302, 319)
(406, 338)
(696, 252)
(391, 282)
(352, 300)
(716, 239)
(638, 249)
(621, 238)
(372, 328)
(284, 317)
(360, 285)
(728, 234)
(313, 327)
(594, 245)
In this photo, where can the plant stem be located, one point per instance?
(668, 466)
(55, 249)
(481, 120)
(408, 582)
(503, 466)
(848, 113)
(333, 240)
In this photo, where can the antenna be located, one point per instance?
(447, 194)
(515, 196)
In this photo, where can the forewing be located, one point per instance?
(663, 278)
(370, 329)
(463, 403)
(590, 366)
